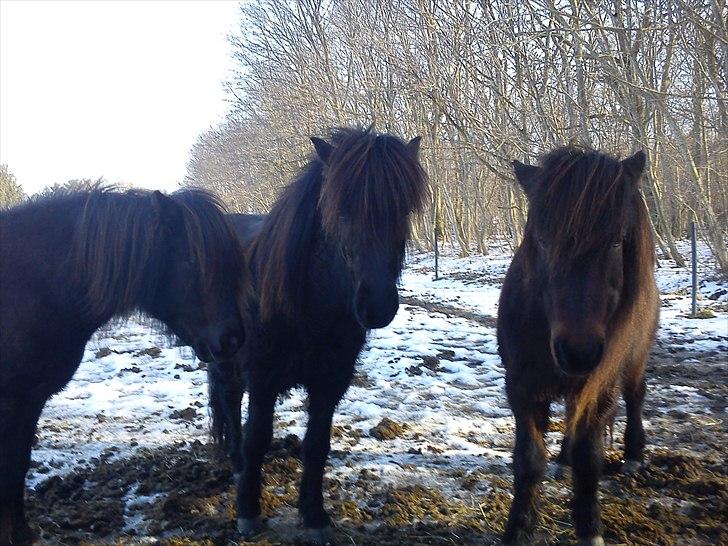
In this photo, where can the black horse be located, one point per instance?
(325, 264)
(576, 320)
(71, 262)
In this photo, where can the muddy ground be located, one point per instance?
(183, 494)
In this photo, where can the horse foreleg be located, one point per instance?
(18, 420)
(587, 453)
(226, 389)
(529, 464)
(256, 441)
(316, 445)
(633, 391)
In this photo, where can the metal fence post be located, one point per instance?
(694, 247)
(437, 253)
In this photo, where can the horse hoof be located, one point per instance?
(25, 537)
(631, 467)
(594, 541)
(560, 472)
(249, 527)
(522, 536)
(317, 537)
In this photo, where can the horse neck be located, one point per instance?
(117, 258)
(291, 247)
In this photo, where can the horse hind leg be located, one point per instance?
(18, 420)
(529, 464)
(560, 469)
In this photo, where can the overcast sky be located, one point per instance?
(118, 89)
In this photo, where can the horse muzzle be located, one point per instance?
(577, 357)
(375, 308)
(219, 344)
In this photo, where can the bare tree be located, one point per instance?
(10, 191)
(485, 83)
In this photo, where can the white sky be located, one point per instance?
(119, 89)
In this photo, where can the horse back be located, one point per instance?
(35, 241)
(246, 226)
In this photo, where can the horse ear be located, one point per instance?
(634, 165)
(414, 146)
(167, 209)
(525, 174)
(323, 149)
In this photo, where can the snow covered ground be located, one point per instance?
(434, 374)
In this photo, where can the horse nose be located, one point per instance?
(578, 357)
(375, 308)
(230, 343)
(219, 344)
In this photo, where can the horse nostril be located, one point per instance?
(560, 352)
(597, 352)
(230, 343)
(578, 359)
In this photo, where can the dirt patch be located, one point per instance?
(477, 278)
(104, 351)
(154, 352)
(387, 429)
(186, 414)
(184, 496)
(432, 363)
(450, 311)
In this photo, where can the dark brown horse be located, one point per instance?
(577, 317)
(325, 264)
(71, 262)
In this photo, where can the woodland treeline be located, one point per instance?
(484, 83)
